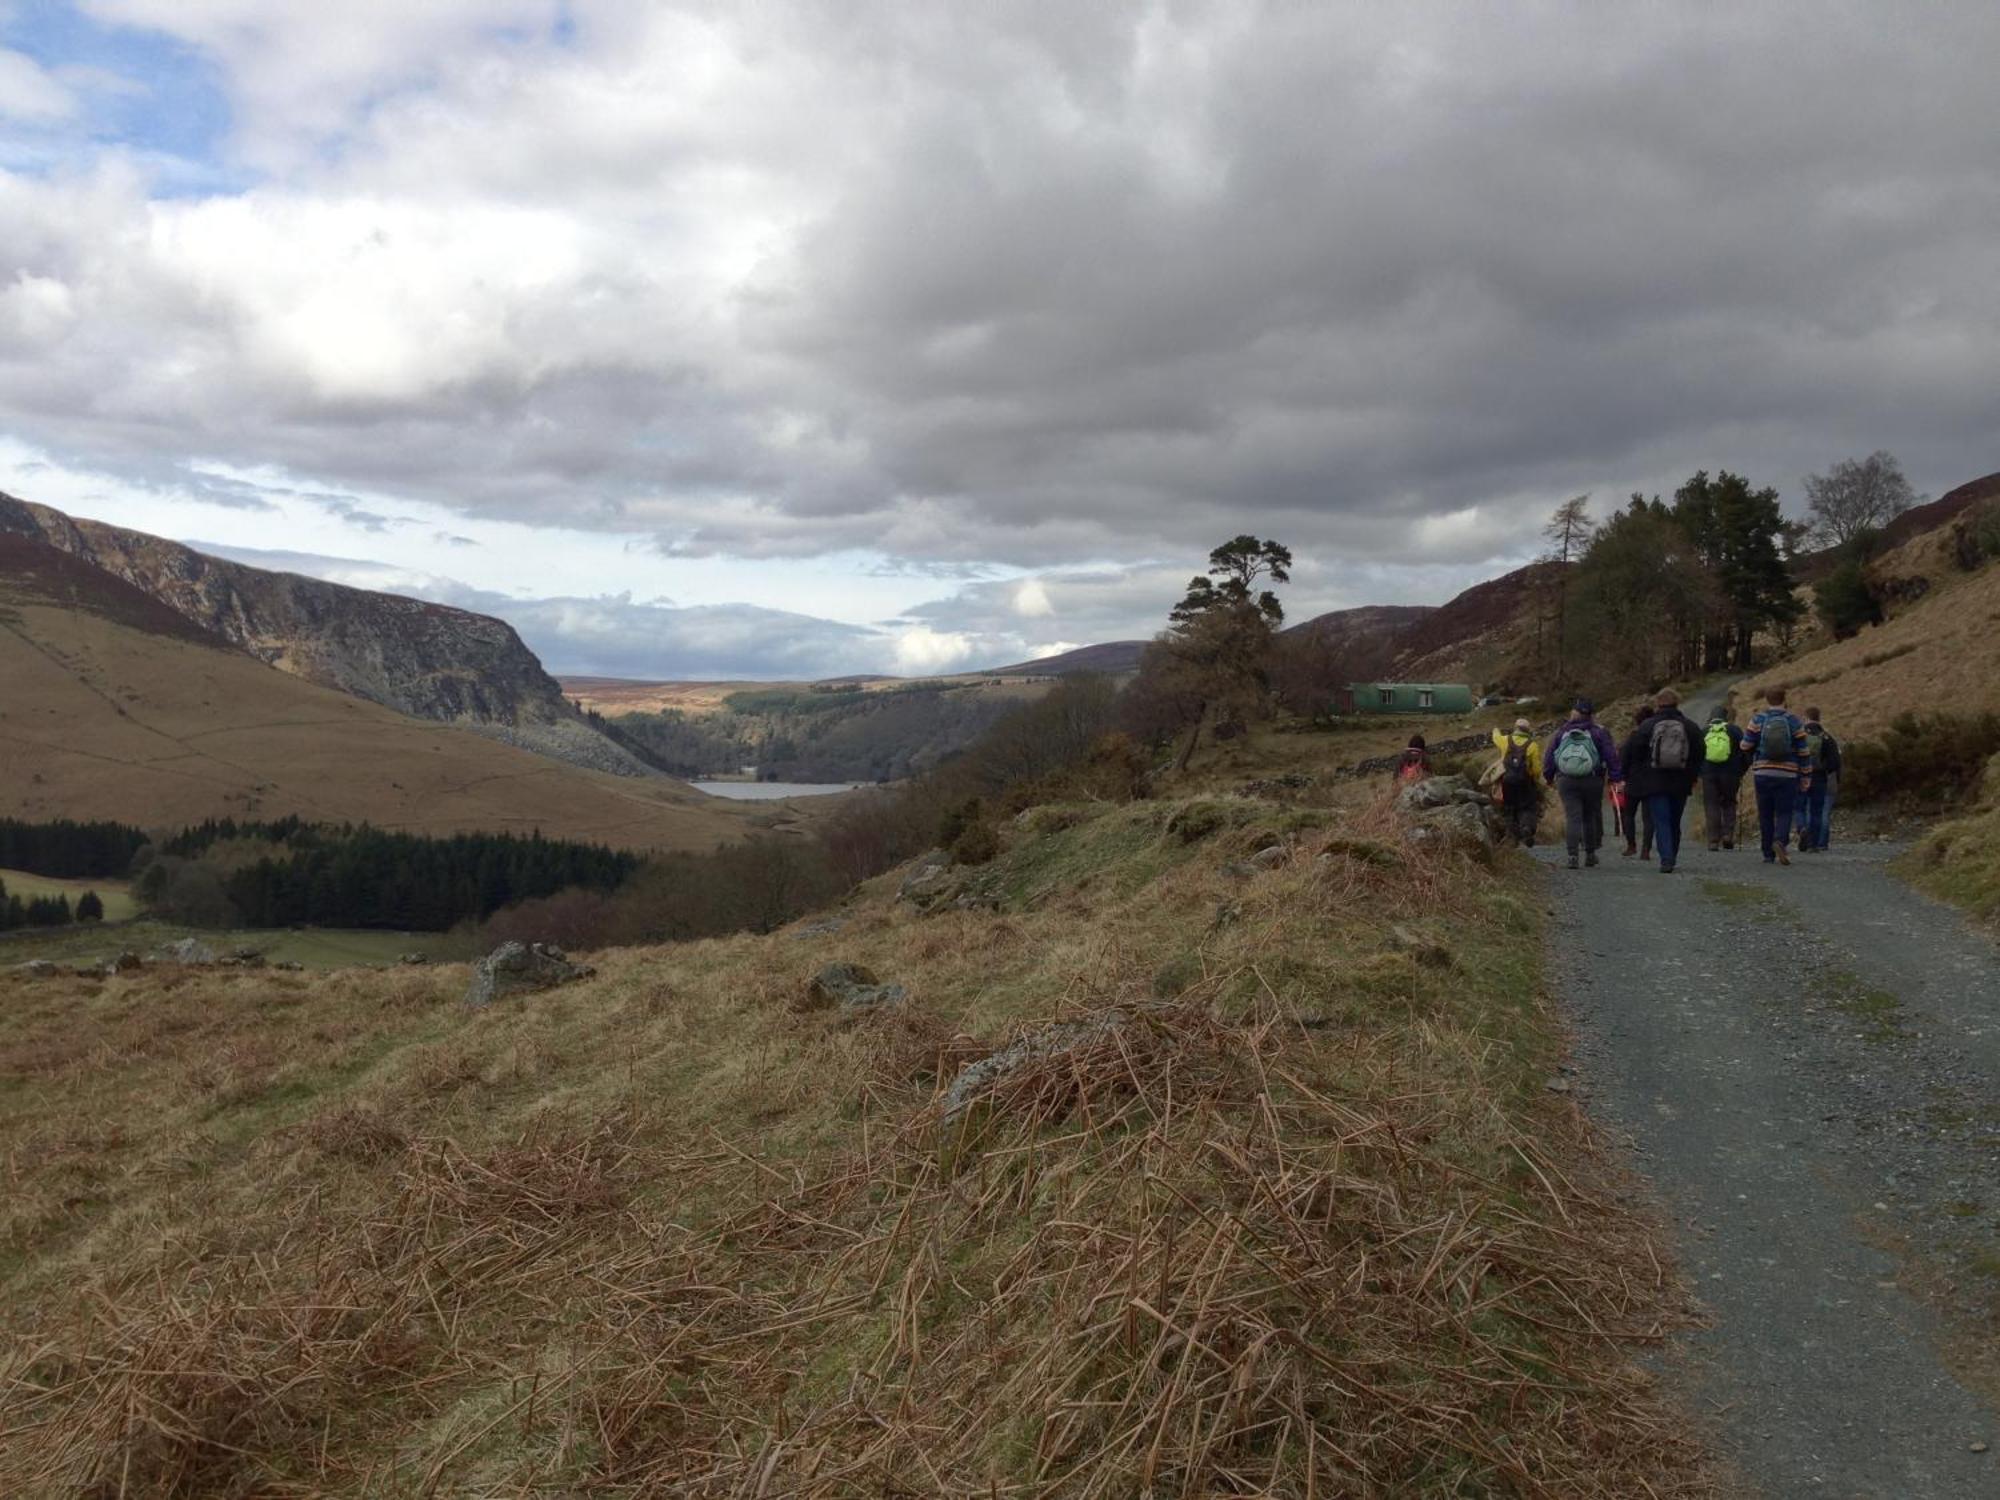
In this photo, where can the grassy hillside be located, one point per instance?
(101, 718)
(1942, 652)
(1293, 1214)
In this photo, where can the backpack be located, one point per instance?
(1815, 742)
(1514, 764)
(1774, 738)
(1670, 744)
(1415, 766)
(1576, 753)
(1718, 745)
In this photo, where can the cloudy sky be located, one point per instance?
(795, 339)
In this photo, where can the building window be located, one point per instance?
(1388, 697)
(1426, 698)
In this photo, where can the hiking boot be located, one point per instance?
(1590, 860)
(1727, 844)
(1784, 855)
(1712, 848)
(1630, 850)
(1666, 869)
(1572, 861)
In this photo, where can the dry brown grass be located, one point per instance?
(98, 720)
(1942, 652)
(1309, 1227)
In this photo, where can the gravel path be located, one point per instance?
(1807, 1064)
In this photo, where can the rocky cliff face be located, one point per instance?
(427, 660)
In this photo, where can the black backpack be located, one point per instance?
(1514, 769)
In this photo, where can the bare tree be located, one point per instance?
(1855, 496)
(1568, 532)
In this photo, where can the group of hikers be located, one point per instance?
(1792, 764)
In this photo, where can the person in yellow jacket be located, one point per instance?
(1518, 785)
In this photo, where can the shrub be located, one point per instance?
(1844, 601)
(1923, 762)
(976, 844)
(89, 907)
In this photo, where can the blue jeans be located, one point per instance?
(1775, 798)
(1666, 809)
(1817, 816)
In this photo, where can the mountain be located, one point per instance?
(113, 705)
(1110, 658)
(426, 660)
(1481, 635)
(1366, 640)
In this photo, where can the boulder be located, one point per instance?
(187, 951)
(124, 963)
(1053, 1040)
(931, 881)
(1432, 792)
(825, 927)
(1270, 858)
(36, 968)
(1457, 823)
(289, 965)
(413, 958)
(850, 987)
(516, 968)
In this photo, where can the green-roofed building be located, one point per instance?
(1406, 698)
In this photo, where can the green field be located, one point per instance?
(115, 894)
(315, 948)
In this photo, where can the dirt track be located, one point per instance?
(1807, 1064)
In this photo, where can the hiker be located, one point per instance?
(1669, 771)
(1520, 793)
(1635, 815)
(1722, 761)
(1415, 763)
(1822, 781)
(1777, 742)
(1579, 760)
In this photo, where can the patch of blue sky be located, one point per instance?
(142, 92)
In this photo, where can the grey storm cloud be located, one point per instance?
(1005, 284)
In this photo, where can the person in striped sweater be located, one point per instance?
(1776, 740)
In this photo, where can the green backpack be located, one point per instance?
(1576, 753)
(1815, 740)
(1717, 745)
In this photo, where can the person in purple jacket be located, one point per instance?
(1579, 762)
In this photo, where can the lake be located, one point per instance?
(765, 791)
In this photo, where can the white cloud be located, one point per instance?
(28, 92)
(921, 650)
(1031, 599)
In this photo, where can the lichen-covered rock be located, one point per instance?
(124, 963)
(1271, 856)
(1053, 1040)
(413, 958)
(1462, 823)
(849, 987)
(187, 951)
(1433, 792)
(932, 881)
(36, 968)
(516, 968)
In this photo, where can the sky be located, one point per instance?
(800, 339)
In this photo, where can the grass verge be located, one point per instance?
(1312, 1225)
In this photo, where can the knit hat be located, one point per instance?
(1523, 724)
